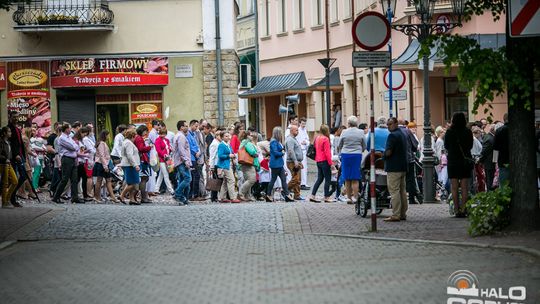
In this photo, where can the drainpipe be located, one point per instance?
(256, 13)
(355, 75)
(218, 67)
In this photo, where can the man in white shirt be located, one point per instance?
(303, 139)
(293, 120)
(116, 153)
(152, 136)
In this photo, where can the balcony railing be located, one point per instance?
(63, 15)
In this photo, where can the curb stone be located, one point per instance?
(530, 251)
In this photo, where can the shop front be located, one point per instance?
(110, 91)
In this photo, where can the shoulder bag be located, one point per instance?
(311, 151)
(244, 158)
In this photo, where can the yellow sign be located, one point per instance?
(28, 78)
(147, 108)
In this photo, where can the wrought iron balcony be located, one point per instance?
(63, 15)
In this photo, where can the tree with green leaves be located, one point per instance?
(493, 72)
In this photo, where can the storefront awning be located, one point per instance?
(278, 84)
(335, 82)
(408, 60)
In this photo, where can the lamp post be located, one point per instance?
(388, 8)
(327, 63)
(422, 31)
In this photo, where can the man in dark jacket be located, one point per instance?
(17, 155)
(486, 157)
(395, 164)
(412, 148)
(501, 145)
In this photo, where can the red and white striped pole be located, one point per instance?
(372, 168)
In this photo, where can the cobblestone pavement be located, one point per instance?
(257, 268)
(14, 219)
(119, 221)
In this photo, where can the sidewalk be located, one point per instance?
(430, 222)
(12, 220)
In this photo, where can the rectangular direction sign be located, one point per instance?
(396, 95)
(371, 59)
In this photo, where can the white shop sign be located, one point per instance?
(183, 71)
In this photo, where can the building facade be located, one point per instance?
(113, 62)
(294, 35)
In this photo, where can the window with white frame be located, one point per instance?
(334, 11)
(266, 17)
(317, 12)
(298, 11)
(249, 5)
(282, 16)
(347, 11)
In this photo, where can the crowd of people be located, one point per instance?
(232, 164)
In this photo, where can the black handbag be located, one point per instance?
(213, 183)
(311, 151)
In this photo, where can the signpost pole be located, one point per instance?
(372, 193)
(389, 16)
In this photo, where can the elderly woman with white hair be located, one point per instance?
(351, 145)
(277, 164)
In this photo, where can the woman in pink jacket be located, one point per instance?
(323, 157)
(163, 149)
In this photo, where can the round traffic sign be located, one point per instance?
(371, 31)
(398, 79)
(442, 23)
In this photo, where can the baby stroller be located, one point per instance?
(117, 179)
(439, 187)
(363, 203)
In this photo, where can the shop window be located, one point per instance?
(455, 98)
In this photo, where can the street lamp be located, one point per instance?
(422, 31)
(388, 8)
(327, 63)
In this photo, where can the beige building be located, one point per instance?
(113, 62)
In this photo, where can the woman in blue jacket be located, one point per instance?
(224, 165)
(277, 166)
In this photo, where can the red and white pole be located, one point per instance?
(372, 193)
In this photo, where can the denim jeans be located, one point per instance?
(183, 176)
(323, 174)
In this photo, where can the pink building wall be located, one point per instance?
(299, 50)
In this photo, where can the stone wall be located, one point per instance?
(229, 64)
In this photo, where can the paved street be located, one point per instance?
(243, 253)
(252, 252)
(261, 268)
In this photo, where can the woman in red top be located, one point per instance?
(323, 157)
(163, 149)
(239, 129)
(144, 149)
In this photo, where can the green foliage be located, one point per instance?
(489, 211)
(488, 72)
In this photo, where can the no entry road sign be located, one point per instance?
(371, 31)
(524, 18)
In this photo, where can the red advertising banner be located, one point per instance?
(109, 72)
(28, 94)
(2, 76)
